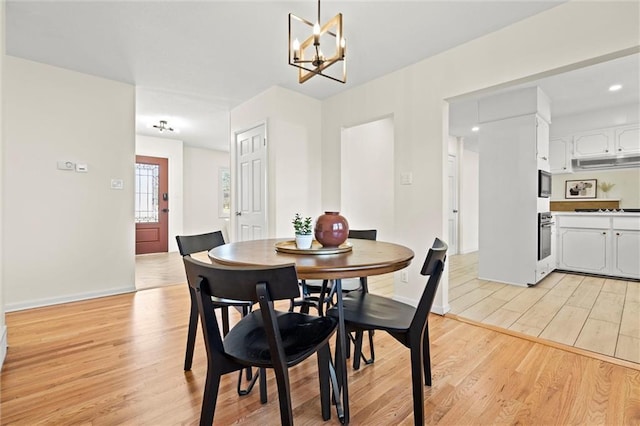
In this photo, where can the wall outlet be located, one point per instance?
(404, 276)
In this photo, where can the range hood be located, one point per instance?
(605, 162)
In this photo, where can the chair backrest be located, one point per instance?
(363, 234)
(433, 266)
(240, 283)
(189, 244)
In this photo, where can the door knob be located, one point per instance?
(165, 210)
(238, 213)
(455, 211)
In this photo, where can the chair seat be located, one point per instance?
(372, 312)
(301, 335)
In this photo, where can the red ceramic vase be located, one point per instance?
(331, 229)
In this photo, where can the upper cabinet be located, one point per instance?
(627, 139)
(615, 143)
(611, 141)
(593, 143)
(542, 143)
(560, 155)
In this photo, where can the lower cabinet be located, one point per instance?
(584, 250)
(626, 253)
(600, 245)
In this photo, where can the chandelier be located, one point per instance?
(307, 55)
(163, 126)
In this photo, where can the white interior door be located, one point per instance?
(251, 196)
(453, 205)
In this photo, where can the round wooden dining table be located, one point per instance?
(364, 258)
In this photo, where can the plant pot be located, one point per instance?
(331, 229)
(304, 241)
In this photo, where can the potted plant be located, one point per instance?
(605, 187)
(303, 229)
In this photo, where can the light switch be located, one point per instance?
(65, 165)
(406, 178)
(83, 168)
(117, 184)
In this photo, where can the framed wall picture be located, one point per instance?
(586, 188)
(224, 192)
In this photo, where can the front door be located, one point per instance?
(152, 204)
(251, 172)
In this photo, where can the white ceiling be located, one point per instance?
(574, 92)
(192, 61)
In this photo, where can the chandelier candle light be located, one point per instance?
(308, 57)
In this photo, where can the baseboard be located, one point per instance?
(12, 307)
(3, 346)
(436, 309)
(467, 251)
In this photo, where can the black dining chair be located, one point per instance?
(188, 245)
(407, 324)
(264, 338)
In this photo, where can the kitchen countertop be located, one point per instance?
(618, 214)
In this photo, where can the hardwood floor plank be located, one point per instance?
(118, 360)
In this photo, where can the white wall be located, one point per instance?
(293, 154)
(367, 177)
(567, 125)
(415, 97)
(201, 187)
(71, 236)
(626, 189)
(172, 149)
(3, 327)
(469, 200)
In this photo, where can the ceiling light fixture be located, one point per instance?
(163, 126)
(308, 57)
(615, 87)
(475, 128)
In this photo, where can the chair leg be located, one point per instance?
(357, 350)
(416, 382)
(324, 358)
(262, 373)
(284, 394)
(191, 333)
(209, 398)
(225, 320)
(426, 356)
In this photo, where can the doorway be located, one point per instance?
(151, 204)
(367, 177)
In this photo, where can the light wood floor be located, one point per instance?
(118, 361)
(592, 313)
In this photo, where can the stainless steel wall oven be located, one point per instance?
(544, 235)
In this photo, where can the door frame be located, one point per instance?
(234, 180)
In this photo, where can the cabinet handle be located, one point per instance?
(604, 233)
(564, 168)
(619, 149)
(544, 158)
(606, 150)
(618, 234)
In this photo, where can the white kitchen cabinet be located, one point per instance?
(560, 155)
(584, 250)
(626, 250)
(627, 139)
(542, 144)
(595, 143)
(599, 243)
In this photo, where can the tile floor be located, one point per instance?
(592, 313)
(597, 314)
